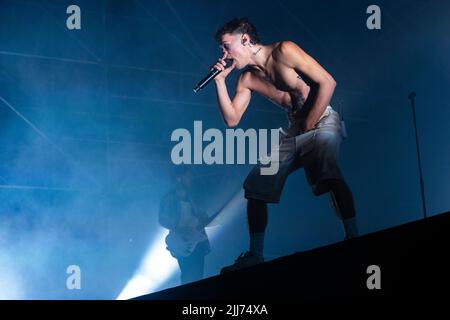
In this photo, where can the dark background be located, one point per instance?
(86, 117)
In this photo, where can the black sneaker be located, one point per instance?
(244, 260)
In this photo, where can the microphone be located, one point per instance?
(211, 75)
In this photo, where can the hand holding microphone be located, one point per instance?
(225, 66)
(219, 71)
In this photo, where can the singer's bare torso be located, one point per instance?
(278, 83)
(276, 71)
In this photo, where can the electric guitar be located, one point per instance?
(182, 244)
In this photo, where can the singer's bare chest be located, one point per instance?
(284, 81)
(282, 77)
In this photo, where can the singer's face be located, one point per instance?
(233, 47)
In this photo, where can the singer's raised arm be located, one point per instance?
(232, 110)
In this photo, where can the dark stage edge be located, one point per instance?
(413, 261)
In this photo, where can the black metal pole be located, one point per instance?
(412, 98)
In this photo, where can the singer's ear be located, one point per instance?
(244, 39)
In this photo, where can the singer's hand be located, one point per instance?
(220, 65)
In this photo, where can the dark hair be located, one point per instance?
(238, 25)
